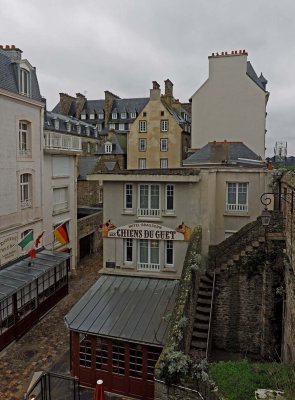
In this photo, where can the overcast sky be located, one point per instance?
(123, 45)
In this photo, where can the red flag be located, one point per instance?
(37, 241)
(32, 253)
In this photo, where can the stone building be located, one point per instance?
(231, 104)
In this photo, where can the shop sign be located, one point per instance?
(8, 248)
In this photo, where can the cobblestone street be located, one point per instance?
(47, 341)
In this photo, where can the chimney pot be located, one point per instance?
(13, 46)
(7, 46)
(212, 54)
(233, 52)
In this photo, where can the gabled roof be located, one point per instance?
(126, 308)
(119, 145)
(260, 81)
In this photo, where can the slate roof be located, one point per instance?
(119, 145)
(86, 166)
(260, 81)
(9, 74)
(50, 117)
(228, 152)
(125, 308)
(20, 273)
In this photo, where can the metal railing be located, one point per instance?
(62, 142)
(27, 203)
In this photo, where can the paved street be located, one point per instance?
(43, 346)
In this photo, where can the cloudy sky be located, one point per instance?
(123, 45)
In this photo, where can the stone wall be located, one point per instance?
(90, 225)
(247, 311)
(287, 198)
(164, 392)
(88, 194)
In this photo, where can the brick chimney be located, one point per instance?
(108, 104)
(12, 52)
(80, 103)
(168, 88)
(155, 92)
(65, 102)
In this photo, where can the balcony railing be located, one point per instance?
(27, 203)
(148, 212)
(24, 152)
(237, 207)
(62, 142)
(148, 267)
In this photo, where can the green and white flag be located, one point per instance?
(26, 240)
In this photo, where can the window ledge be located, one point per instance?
(127, 265)
(60, 177)
(128, 212)
(57, 212)
(169, 268)
(168, 214)
(236, 214)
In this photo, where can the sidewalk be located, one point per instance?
(42, 347)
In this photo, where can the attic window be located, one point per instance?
(108, 147)
(114, 115)
(68, 123)
(83, 116)
(87, 130)
(99, 127)
(92, 116)
(24, 82)
(56, 123)
(123, 115)
(133, 115)
(78, 128)
(100, 116)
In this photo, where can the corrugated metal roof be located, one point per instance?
(16, 276)
(125, 308)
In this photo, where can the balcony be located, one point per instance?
(148, 267)
(59, 141)
(237, 207)
(148, 212)
(27, 203)
(24, 153)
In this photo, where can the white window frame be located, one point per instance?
(169, 193)
(128, 243)
(164, 125)
(128, 197)
(91, 116)
(169, 245)
(87, 130)
(25, 190)
(99, 127)
(24, 139)
(148, 265)
(142, 163)
(24, 81)
(141, 144)
(123, 115)
(100, 195)
(100, 116)
(60, 199)
(236, 190)
(148, 211)
(112, 126)
(163, 163)
(83, 116)
(121, 127)
(142, 125)
(114, 115)
(108, 147)
(164, 144)
(133, 115)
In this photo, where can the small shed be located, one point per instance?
(118, 329)
(28, 289)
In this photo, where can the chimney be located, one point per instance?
(80, 103)
(109, 98)
(65, 102)
(12, 52)
(155, 92)
(168, 88)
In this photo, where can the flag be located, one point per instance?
(37, 241)
(26, 240)
(61, 234)
(32, 253)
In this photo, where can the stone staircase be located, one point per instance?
(201, 327)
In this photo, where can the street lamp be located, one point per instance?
(265, 217)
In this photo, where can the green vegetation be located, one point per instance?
(239, 380)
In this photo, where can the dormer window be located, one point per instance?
(108, 147)
(92, 116)
(83, 116)
(95, 132)
(123, 115)
(100, 116)
(87, 130)
(56, 123)
(133, 115)
(78, 128)
(24, 82)
(68, 124)
(114, 115)
(99, 127)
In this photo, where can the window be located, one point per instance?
(169, 198)
(149, 200)
(83, 116)
(68, 125)
(85, 351)
(142, 126)
(100, 195)
(169, 252)
(144, 114)
(118, 358)
(135, 361)
(164, 144)
(92, 116)
(128, 250)
(121, 127)
(142, 145)
(164, 125)
(100, 116)
(133, 115)
(112, 126)
(114, 115)
(24, 82)
(149, 257)
(95, 132)
(123, 115)
(108, 147)
(163, 162)
(60, 198)
(162, 113)
(99, 127)
(237, 196)
(128, 196)
(87, 130)
(78, 128)
(142, 163)
(60, 166)
(25, 190)
(88, 147)
(101, 354)
(24, 142)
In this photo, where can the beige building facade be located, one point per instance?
(231, 104)
(160, 136)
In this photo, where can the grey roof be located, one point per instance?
(50, 117)
(219, 152)
(118, 147)
(86, 166)
(125, 308)
(19, 274)
(9, 73)
(260, 81)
